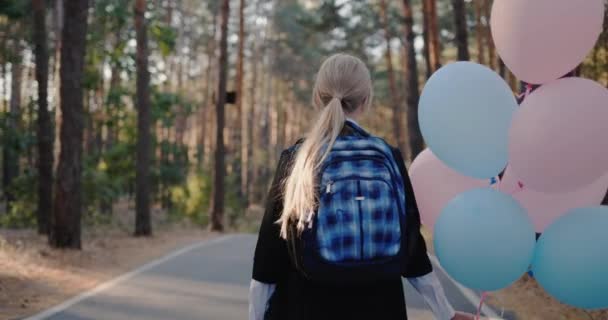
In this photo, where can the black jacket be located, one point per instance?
(297, 297)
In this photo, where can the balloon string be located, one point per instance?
(484, 295)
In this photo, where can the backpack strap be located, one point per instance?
(358, 130)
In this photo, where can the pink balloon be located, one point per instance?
(435, 184)
(544, 208)
(542, 40)
(558, 138)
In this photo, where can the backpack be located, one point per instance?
(355, 235)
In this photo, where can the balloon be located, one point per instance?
(544, 208)
(542, 40)
(558, 136)
(435, 184)
(465, 113)
(484, 239)
(571, 260)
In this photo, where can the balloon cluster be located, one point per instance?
(551, 153)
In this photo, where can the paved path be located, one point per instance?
(205, 281)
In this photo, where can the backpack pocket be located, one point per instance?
(358, 221)
(380, 220)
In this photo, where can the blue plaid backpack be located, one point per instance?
(356, 232)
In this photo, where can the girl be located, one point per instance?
(319, 254)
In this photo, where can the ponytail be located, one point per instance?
(343, 85)
(299, 194)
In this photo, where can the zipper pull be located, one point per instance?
(328, 188)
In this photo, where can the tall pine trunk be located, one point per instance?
(240, 106)
(143, 225)
(209, 89)
(45, 127)
(425, 36)
(479, 32)
(112, 106)
(412, 90)
(58, 22)
(395, 103)
(252, 142)
(502, 68)
(431, 36)
(265, 134)
(3, 87)
(460, 27)
(492, 57)
(67, 210)
(11, 148)
(217, 212)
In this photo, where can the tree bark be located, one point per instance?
(460, 26)
(206, 106)
(412, 90)
(4, 87)
(112, 108)
(181, 117)
(488, 35)
(479, 33)
(143, 225)
(512, 81)
(396, 105)
(45, 127)
(242, 109)
(58, 21)
(31, 125)
(265, 135)
(212, 73)
(425, 36)
(276, 115)
(431, 36)
(502, 69)
(67, 210)
(252, 140)
(11, 149)
(217, 213)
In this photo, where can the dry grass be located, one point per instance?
(34, 277)
(528, 301)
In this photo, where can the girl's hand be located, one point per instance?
(463, 316)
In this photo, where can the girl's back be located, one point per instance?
(345, 262)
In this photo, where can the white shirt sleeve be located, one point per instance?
(431, 290)
(259, 295)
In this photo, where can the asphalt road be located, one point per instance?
(205, 281)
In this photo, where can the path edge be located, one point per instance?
(124, 277)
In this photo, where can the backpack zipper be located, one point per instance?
(328, 187)
(391, 170)
(394, 171)
(360, 220)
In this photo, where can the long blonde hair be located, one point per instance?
(342, 86)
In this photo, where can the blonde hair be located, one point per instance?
(342, 86)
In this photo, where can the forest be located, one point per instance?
(185, 105)
(119, 118)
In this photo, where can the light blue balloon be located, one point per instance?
(465, 113)
(484, 239)
(571, 258)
